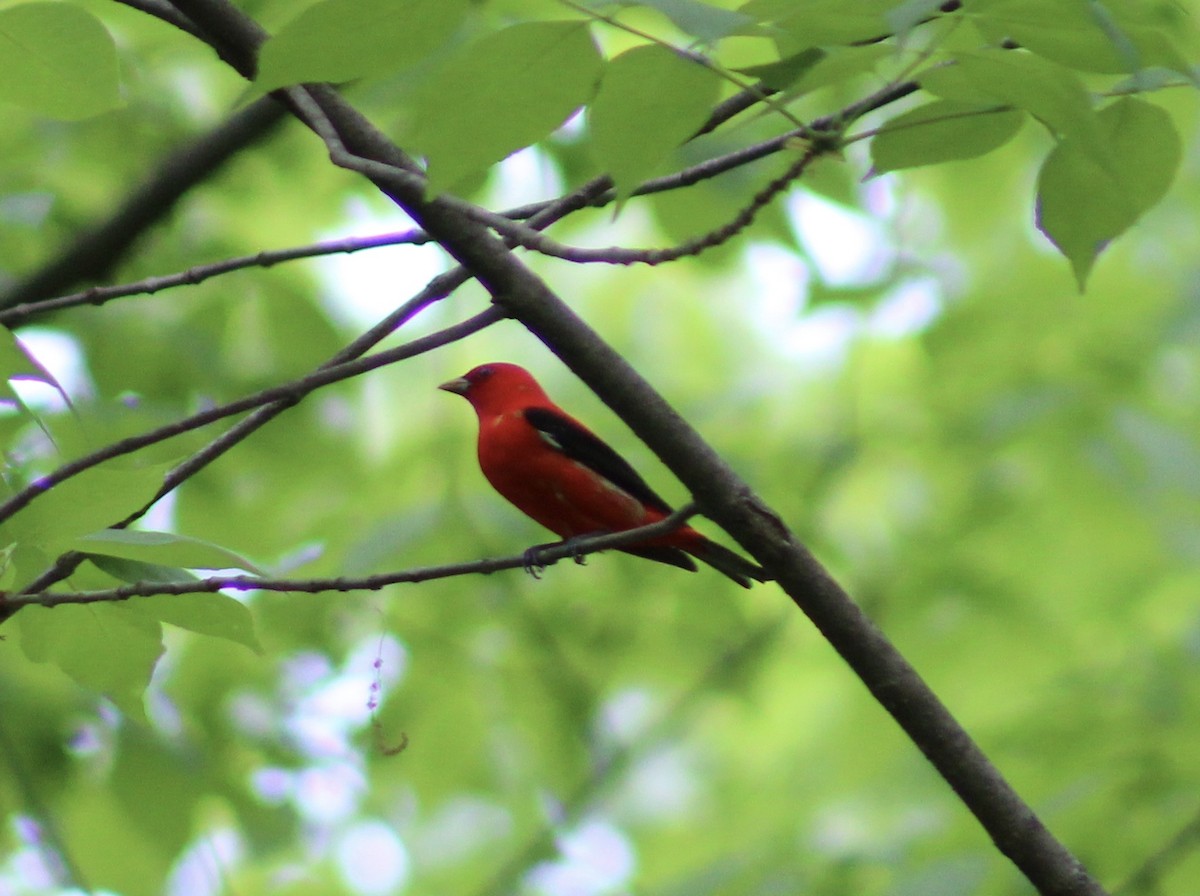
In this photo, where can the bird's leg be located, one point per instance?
(573, 543)
(531, 558)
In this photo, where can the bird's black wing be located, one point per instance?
(581, 446)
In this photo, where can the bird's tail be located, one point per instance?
(727, 562)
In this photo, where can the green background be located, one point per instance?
(1003, 471)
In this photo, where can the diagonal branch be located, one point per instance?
(720, 493)
(599, 193)
(288, 393)
(528, 238)
(95, 251)
(1147, 877)
(537, 216)
(270, 403)
(161, 9)
(438, 288)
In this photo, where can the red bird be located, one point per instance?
(559, 473)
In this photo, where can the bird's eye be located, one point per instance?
(481, 373)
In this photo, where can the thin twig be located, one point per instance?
(288, 392)
(1146, 877)
(533, 240)
(538, 558)
(710, 168)
(96, 250)
(1011, 823)
(542, 244)
(761, 95)
(599, 192)
(435, 290)
(98, 295)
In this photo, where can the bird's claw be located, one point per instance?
(531, 561)
(572, 546)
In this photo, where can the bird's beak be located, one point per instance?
(458, 386)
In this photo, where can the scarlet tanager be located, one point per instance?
(560, 474)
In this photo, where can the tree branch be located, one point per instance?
(528, 238)
(599, 191)
(538, 558)
(437, 288)
(270, 403)
(99, 295)
(161, 9)
(289, 393)
(738, 158)
(721, 494)
(595, 194)
(95, 251)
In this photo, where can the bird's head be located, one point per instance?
(497, 387)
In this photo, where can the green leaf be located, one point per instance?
(110, 850)
(1082, 34)
(650, 101)
(108, 648)
(1148, 80)
(216, 615)
(1064, 31)
(91, 501)
(942, 131)
(24, 561)
(341, 40)
(822, 22)
(501, 94)
(702, 20)
(18, 363)
(903, 18)
(1052, 94)
(137, 571)
(784, 73)
(1082, 205)
(57, 61)
(814, 68)
(163, 548)
(839, 68)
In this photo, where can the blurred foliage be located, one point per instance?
(1004, 472)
